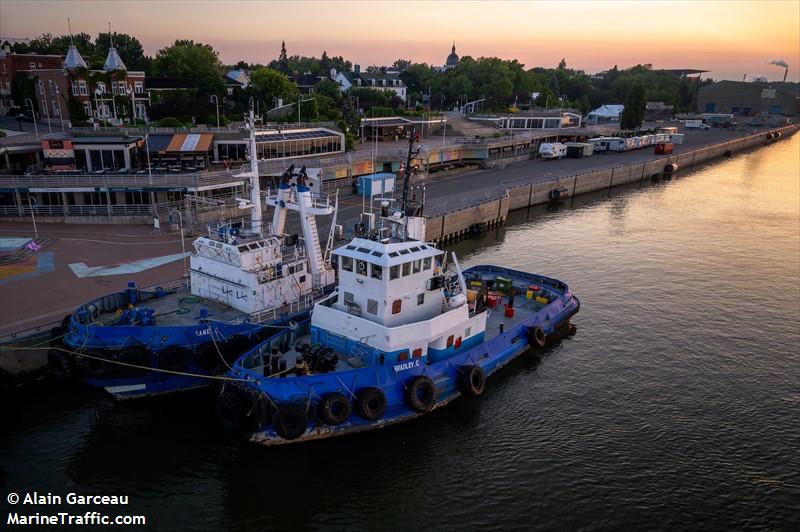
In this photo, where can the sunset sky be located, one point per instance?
(729, 38)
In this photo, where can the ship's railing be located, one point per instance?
(293, 307)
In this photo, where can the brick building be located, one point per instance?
(12, 64)
(75, 94)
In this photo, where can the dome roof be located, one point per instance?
(452, 59)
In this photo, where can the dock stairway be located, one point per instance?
(23, 253)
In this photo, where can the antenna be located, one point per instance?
(407, 176)
(110, 35)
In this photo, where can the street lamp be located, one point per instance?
(58, 102)
(33, 114)
(31, 203)
(216, 107)
(183, 246)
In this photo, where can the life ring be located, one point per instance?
(536, 337)
(362, 266)
(471, 380)
(231, 410)
(370, 403)
(290, 421)
(173, 358)
(421, 394)
(335, 408)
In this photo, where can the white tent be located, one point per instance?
(605, 113)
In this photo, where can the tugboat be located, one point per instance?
(401, 336)
(243, 288)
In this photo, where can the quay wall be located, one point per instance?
(486, 213)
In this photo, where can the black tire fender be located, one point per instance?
(536, 337)
(471, 380)
(231, 410)
(290, 421)
(420, 394)
(173, 358)
(93, 367)
(370, 403)
(335, 408)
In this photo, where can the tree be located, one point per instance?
(196, 62)
(128, 47)
(401, 65)
(633, 112)
(325, 63)
(283, 60)
(268, 84)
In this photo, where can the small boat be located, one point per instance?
(402, 335)
(243, 286)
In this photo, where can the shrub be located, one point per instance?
(170, 121)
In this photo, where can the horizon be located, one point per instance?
(739, 40)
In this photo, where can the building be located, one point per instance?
(11, 65)
(450, 62)
(306, 83)
(73, 94)
(749, 98)
(383, 78)
(605, 114)
(539, 120)
(655, 111)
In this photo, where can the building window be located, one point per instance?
(420, 298)
(101, 87)
(74, 88)
(394, 272)
(377, 272)
(372, 306)
(55, 108)
(397, 306)
(82, 88)
(347, 264)
(41, 87)
(87, 108)
(361, 267)
(138, 86)
(33, 66)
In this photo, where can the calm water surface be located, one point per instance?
(675, 406)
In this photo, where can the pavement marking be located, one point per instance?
(10, 244)
(80, 269)
(44, 264)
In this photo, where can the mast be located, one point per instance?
(407, 177)
(255, 186)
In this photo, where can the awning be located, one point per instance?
(190, 143)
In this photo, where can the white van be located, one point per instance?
(554, 150)
(695, 124)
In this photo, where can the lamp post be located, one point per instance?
(147, 152)
(216, 107)
(58, 103)
(183, 246)
(31, 203)
(33, 114)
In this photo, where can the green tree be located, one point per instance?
(283, 60)
(196, 62)
(633, 112)
(267, 85)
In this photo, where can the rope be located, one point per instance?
(128, 364)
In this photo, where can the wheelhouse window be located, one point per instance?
(420, 298)
(372, 306)
(347, 264)
(417, 265)
(377, 272)
(426, 264)
(394, 272)
(406, 269)
(361, 267)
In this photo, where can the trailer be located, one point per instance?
(576, 150)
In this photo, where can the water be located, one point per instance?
(675, 406)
